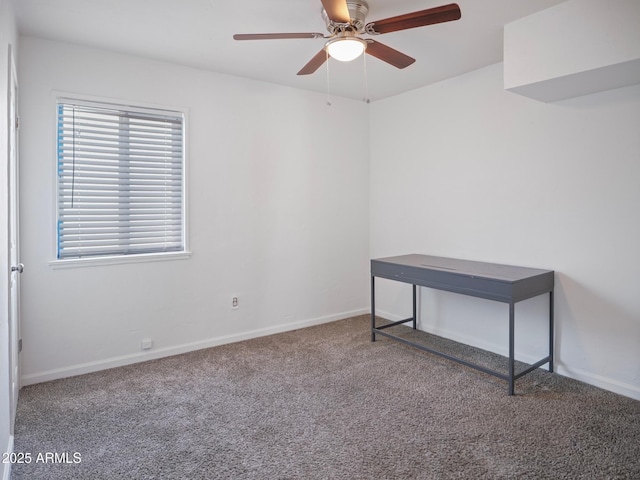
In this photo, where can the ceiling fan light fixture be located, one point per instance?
(346, 48)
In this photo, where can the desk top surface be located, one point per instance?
(494, 271)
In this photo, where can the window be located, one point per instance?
(120, 180)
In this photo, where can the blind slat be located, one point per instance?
(130, 239)
(85, 219)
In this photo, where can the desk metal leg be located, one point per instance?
(511, 348)
(373, 308)
(551, 327)
(415, 315)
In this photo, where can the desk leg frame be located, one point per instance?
(512, 370)
(551, 331)
(373, 308)
(511, 377)
(415, 313)
(413, 319)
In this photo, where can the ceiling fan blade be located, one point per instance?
(274, 36)
(314, 63)
(445, 13)
(337, 10)
(388, 54)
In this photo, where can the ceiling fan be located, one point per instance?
(345, 22)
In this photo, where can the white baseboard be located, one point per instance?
(6, 470)
(606, 383)
(123, 360)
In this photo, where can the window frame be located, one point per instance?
(137, 106)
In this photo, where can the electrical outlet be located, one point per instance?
(234, 302)
(146, 344)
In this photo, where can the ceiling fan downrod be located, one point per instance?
(358, 13)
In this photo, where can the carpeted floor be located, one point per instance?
(323, 403)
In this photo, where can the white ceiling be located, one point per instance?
(198, 33)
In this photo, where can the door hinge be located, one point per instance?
(17, 123)
(19, 345)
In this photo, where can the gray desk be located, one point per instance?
(502, 283)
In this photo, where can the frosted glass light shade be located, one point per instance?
(346, 49)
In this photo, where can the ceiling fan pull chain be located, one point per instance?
(366, 80)
(328, 82)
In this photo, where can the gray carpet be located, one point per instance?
(324, 403)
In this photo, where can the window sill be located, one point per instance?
(118, 260)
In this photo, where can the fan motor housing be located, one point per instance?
(357, 11)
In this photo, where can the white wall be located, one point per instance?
(8, 36)
(465, 169)
(278, 202)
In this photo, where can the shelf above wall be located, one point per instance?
(575, 48)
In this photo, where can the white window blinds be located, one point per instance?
(120, 180)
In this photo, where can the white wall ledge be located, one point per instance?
(576, 48)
